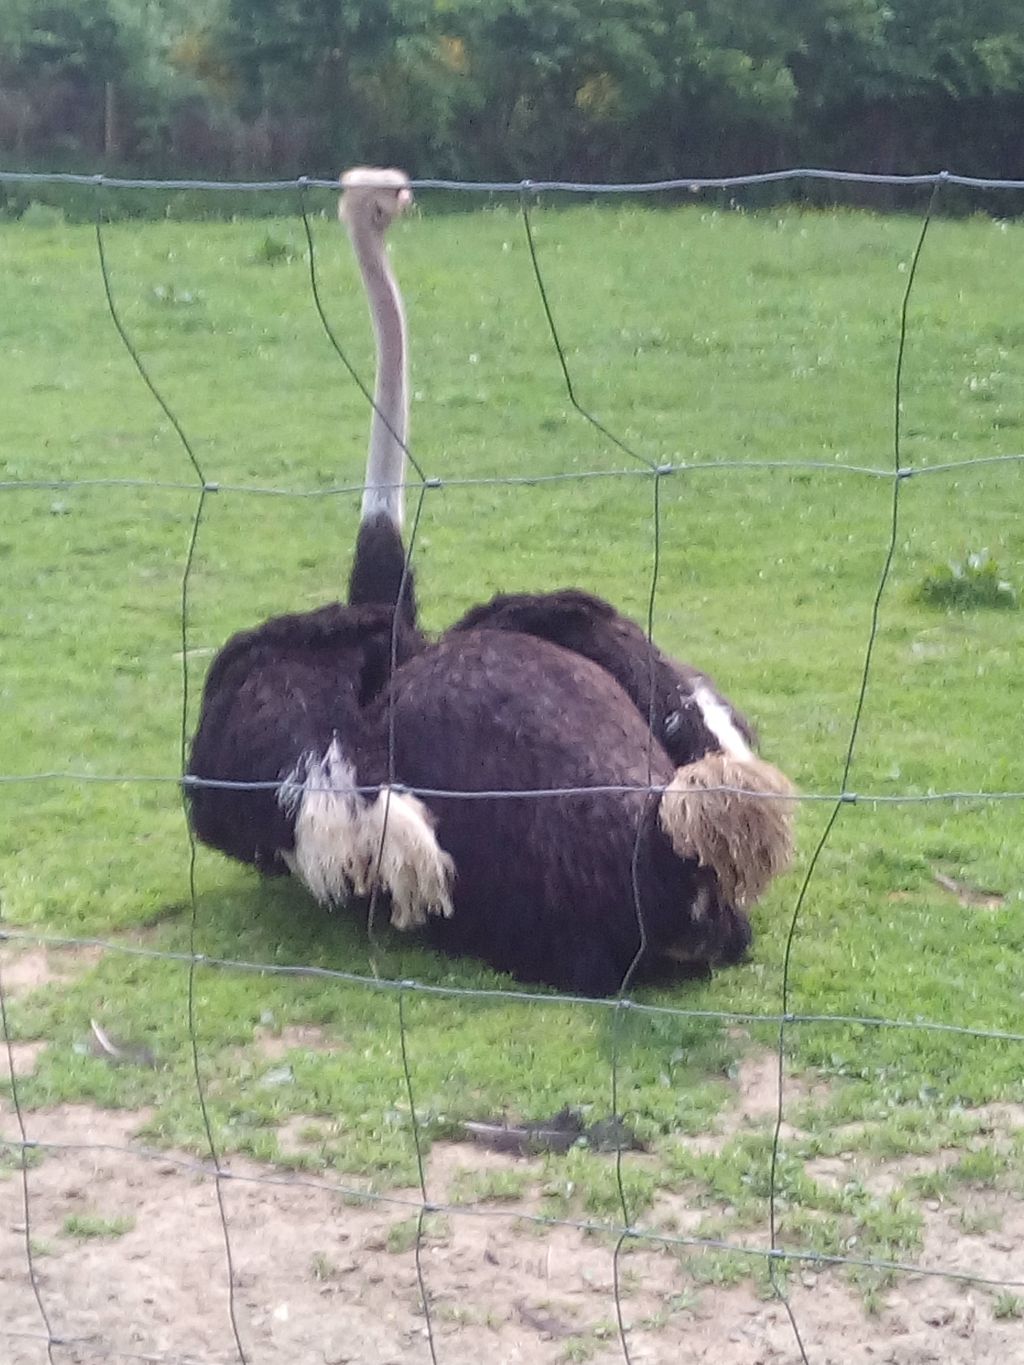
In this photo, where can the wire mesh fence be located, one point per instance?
(626, 1228)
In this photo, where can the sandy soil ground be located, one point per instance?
(322, 1281)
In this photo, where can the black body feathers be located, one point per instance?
(380, 574)
(659, 686)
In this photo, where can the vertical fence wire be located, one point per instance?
(184, 603)
(845, 796)
(648, 804)
(24, 1154)
(406, 574)
(421, 1175)
(650, 800)
(570, 388)
(375, 891)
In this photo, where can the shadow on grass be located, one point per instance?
(274, 922)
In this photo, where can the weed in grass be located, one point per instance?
(685, 1301)
(558, 1198)
(357, 1199)
(772, 1277)
(967, 584)
(808, 1230)
(479, 1187)
(872, 1283)
(889, 1228)
(37, 215)
(982, 1167)
(717, 1227)
(603, 1195)
(740, 1175)
(14, 1159)
(170, 296)
(931, 1184)
(94, 1225)
(321, 1267)
(402, 1236)
(273, 251)
(873, 1298)
(459, 1315)
(976, 1222)
(708, 1267)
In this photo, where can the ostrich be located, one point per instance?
(524, 693)
(280, 699)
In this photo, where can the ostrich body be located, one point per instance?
(555, 888)
(660, 687)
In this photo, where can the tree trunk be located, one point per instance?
(111, 132)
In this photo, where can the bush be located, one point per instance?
(43, 215)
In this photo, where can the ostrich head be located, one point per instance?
(372, 198)
(702, 722)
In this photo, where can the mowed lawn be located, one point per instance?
(726, 342)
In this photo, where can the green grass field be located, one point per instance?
(699, 336)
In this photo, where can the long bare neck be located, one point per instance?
(383, 493)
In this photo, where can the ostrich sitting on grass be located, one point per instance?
(567, 889)
(278, 697)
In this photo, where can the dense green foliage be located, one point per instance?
(576, 88)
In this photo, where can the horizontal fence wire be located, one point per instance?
(528, 480)
(624, 1229)
(30, 938)
(849, 798)
(357, 1195)
(692, 182)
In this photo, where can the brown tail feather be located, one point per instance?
(734, 815)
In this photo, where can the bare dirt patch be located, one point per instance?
(273, 1044)
(756, 1100)
(28, 969)
(321, 1280)
(23, 1057)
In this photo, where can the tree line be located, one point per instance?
(575, 89)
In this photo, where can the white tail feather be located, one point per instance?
(347, 845)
